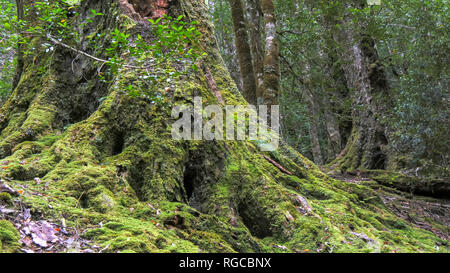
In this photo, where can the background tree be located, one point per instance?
(271, 55)
(254, 15)
(7, 48)
(243, 50)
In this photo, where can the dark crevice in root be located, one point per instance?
(84, 201)
(136, 179)
(78, 111)
(118, 143)
(379, 157)
(379, 160)
(188, 182)
(76, 115)
(253, 218)
(83, 101)
(175, 221)
(194, 185)
(200, 173)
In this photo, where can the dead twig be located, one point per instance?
(277, 165)
(55, 41)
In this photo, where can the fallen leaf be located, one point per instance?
(39, 241)
(37, 180)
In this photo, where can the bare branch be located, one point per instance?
(55, 41)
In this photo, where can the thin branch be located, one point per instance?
(53, 40)
(277, 165)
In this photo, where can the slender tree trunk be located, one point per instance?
(244, 51)
(314, 134)
(333, 104)
(314, 109)
(227, 46)
(19, 52)
(334, 135)
(271, 57)
(255, 17)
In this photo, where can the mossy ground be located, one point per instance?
(113, 172)
(9, 237)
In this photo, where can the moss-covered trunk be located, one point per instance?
(243, 51)
(107, 163)
(368, 145)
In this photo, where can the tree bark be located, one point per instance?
(271, 57)
(333, 134)
(255, 17)
(314, 109)
(243, 50)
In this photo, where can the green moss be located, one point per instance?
(6, 199)
(9, 237)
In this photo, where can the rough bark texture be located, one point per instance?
(243, 50)
(110, 168)
(271, 57)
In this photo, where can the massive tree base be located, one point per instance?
(110, 169)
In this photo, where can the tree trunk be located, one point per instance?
(254, 14)
(243, 50)
(314, 135)
(367, 146)
(271, 57)
(227, 44)
(84, 151)
(333, 134)
(314, 111)
(19, 65)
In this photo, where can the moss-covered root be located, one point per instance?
(430, 186)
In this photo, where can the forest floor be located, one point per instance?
(38, 235)
(424, 212)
